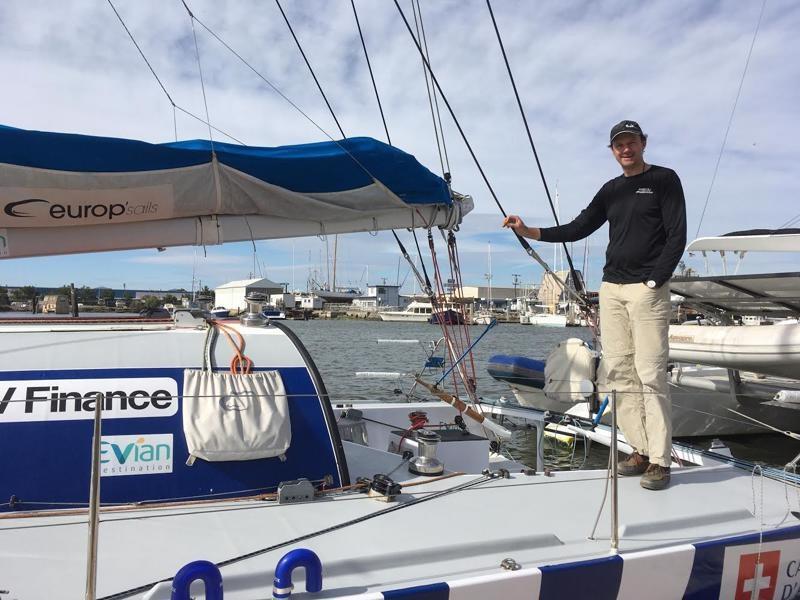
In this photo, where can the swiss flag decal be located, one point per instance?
(758, 576)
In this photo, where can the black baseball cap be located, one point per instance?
(626, 127)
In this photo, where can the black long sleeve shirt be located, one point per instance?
(647, 226)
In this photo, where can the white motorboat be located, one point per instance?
(770, 350)
(220, 312)
(483, 317)
(547, 319)
(273, 313)
(762, 298)
(423, 312)
(415, 312)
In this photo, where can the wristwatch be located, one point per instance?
(651, 284)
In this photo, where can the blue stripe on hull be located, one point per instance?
(591, 579)
(433, 591)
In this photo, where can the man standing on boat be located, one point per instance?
(646, 212)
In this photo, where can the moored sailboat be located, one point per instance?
(336, 487)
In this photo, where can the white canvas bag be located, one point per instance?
(230, 416)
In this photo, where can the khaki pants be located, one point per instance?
(634, 324)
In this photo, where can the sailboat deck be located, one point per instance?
(537, 520)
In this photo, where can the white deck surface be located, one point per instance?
(534, 519)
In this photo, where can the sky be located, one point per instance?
(675, 66)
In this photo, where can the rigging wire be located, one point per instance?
(289, 101)
(435, 99)
(575, 280)
(427, 281)
(164, 89)
(424, 283)
(452, 113)
(525, 245)
(274, 87)
(193, 20)
(427, 284)
(135, 43)
(260, 76)
(440, 290)
(308, 64)
(202, 82)
(437, 301)
(371, 75)
(205, 122)
(730, 119)
(430, 96)
(790, 222)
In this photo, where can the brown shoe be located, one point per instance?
(655, 478)
(635, 464)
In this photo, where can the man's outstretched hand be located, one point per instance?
(517, 225)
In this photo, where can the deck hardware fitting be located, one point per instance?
(509, 564)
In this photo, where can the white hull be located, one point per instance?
(141, 544)
(402, 316)
(416, 312)
(279, 316)
(771, 350)
(547, 320)
(482, 319)
(659, 530)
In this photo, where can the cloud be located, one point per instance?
(675, 66)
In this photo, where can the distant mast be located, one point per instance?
(489, 275)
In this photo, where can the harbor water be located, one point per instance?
(343, 348)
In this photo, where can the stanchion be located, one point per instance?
(94, 503)
(614, 476)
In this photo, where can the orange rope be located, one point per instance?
(240, 363)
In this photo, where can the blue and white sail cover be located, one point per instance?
(65, 193)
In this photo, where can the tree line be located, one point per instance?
(91, 296)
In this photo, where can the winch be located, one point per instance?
(426, 463)
(253, 317)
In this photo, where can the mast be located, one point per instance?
(327, 263)
(414, 290)
(557, 260)
(335, 248)
(490, 275)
